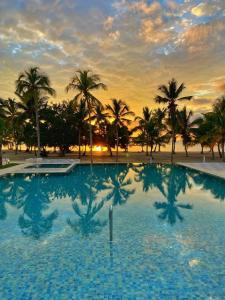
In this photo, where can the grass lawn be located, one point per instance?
(7, 166)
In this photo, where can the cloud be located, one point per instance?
(219, 84)
(152, 31)
(108, 23)
(143, 7)
(114, 35)
(134, 46)
(203, 36)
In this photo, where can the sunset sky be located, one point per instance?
(133, 45)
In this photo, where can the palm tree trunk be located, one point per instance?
(151, 149)
(147, 146)
(117, 143)
(186, 151)
(79, 143)
(212, 150)
(0, 153)
(38, 131)
(16, 149)
(219, 150)
(172, 150)
(202, 149)
(223, 142)
(110, 151)
(90, 132)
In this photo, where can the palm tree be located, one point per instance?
(171, 95)
(15, 118)
(81, 114)
(2, 126)
(100, 118)
(31, 86)
(207, 133)
(186, 127)
(84, 81)
(143, 121)
(120, 113)
(219, 111)
(163, 137)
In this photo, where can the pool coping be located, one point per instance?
(213, 169)
(22, 168)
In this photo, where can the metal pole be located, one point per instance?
(111, 223)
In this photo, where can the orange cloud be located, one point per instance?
(143, 7)
(152, 31)
(196, 38)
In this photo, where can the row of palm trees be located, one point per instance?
(84, 120)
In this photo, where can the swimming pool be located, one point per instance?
(168, 234)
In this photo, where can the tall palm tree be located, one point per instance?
(81, 114)
(85, 82)
(186, 127)
(2, 126)
(171, 95)
(119, 112)
(142, 124)
(163, 137)
(219, 111)
(31, 86)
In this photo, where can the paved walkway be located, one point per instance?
(216, 169)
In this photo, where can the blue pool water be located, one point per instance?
(169, 237)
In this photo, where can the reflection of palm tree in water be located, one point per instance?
(32, 222)
(210, 183)
(151, 176)
(170, 181)
(176, 181)
(10, 194)
(118, 183)
(85, 203)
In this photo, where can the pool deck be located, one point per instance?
(22, 168)
(216, 169)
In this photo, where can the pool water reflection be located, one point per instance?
(168, 229)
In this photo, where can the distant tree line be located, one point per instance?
(85, 121)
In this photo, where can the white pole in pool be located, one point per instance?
(110, 223)
(203, 159)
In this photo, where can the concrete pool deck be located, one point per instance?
(26, 167)
(216, 169)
